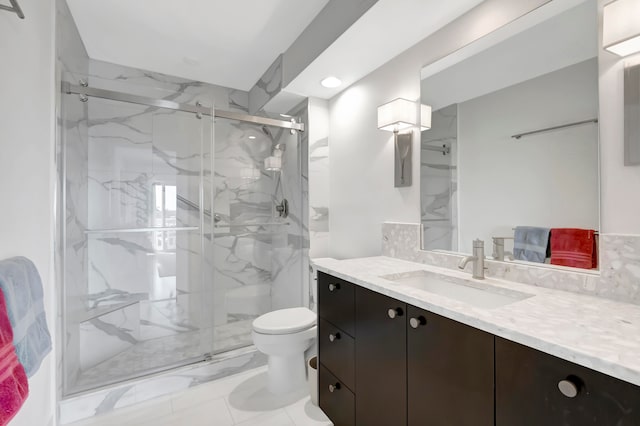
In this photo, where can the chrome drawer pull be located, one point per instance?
(334, 287)
(333, 388)
(417, 322)
(334, 337)
(397, 312)
(568, 388)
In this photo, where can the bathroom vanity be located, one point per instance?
(393, 353)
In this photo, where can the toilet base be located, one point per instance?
(286, 373)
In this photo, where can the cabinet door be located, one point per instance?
(336, 302)
(337, 352)
(450, 372)
(336, 400)
(528, 392)
(381, 363)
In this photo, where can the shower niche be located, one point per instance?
(172, 241)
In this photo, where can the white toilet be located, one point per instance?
(284, 335)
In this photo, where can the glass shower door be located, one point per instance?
(138, 274)
(258, 249)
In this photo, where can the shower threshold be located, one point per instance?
(125, 393)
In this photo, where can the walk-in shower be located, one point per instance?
(173, 238)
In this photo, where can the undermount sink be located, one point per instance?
(477, 294)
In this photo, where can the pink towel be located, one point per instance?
(14, 386)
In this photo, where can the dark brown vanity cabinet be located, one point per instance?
(534, 388)
(415, 368)
(384, 362)
(336, 349)
(381, 359)
(450, 372)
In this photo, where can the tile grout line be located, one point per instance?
(293, 421)
(226, 404)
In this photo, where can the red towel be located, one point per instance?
(574, 247)
(14, 386)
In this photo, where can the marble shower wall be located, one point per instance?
(134, 287)
(72, 63)
(618, 278)
(438, 181)
(318, 183)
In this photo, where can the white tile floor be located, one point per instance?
(236, 400)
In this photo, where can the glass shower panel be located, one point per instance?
(138, 279)
(257, 248)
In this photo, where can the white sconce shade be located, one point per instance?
(425, 117)
(621, 27)
(399, 114)
(273, 164)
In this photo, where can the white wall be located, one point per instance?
(549, 179)
(319, 160)
(27, 169)
(620, 204)
(361, 182)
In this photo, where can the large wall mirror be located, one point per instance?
(537, 78)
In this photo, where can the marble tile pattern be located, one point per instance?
(438, 181)
(102, 402)
(597, 333)
(223, 274)
(72, 63)
(618, 278)
(267, 87)
(240, 399)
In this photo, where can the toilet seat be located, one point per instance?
(285, 321)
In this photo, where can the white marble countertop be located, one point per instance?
(597, 333)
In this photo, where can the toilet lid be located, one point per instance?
(285, 321)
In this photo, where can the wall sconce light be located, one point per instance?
(396, 116)
(621, 27)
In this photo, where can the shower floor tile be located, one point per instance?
(240, 400)
(150, 355)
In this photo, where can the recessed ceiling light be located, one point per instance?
(331, 82)
(252, 137)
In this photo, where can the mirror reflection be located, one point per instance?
(514, 136)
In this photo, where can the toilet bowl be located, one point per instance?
(284, 335)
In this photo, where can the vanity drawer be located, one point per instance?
(336, 400)
(534, 388)
(337, 352)
(336, 302)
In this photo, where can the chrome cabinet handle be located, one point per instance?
(333, 388)
(569, 388)
(394, 312)
(334, 337)
(334, 287)
(417, 322)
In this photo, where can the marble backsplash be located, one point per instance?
(618, 278)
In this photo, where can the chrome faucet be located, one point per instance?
(477, 259)
(498, 249)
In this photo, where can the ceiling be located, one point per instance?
(232, 43)
(387, 29)
(229, 43)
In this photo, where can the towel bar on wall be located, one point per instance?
(15, 8)
(548, 129)
(513, 229)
